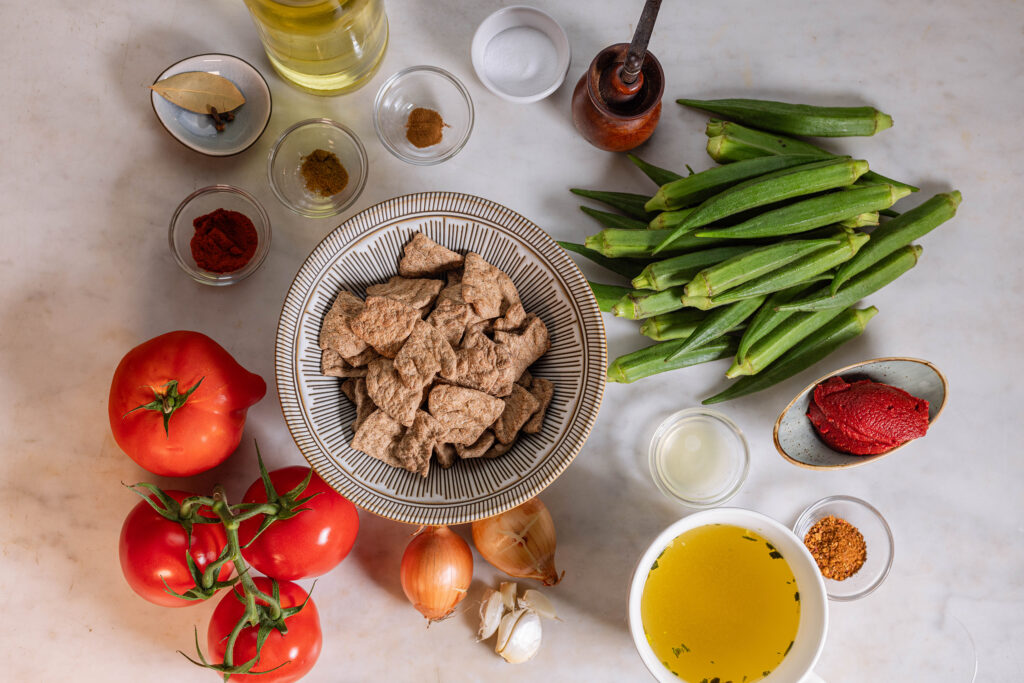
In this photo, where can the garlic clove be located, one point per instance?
(508, 594)
(539, 603)
(519, 636)
(491, 610)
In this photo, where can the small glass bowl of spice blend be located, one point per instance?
(423, 115)
(317, 168)
(219, 235)
(851, 543)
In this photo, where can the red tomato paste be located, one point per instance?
(866, 417)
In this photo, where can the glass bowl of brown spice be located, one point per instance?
(317, 168)
(423, 115)
(850, 541)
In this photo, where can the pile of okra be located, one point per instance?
(762, 258)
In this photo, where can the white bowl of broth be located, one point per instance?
(728, 594)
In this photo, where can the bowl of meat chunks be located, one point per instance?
(439, 359)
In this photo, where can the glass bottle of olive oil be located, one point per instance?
(326, 47)
(720, 603)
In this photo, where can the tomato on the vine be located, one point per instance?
(295, 652)
(312, 542)
(153, 548)
(178, 401)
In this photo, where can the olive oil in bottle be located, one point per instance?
(326, 47)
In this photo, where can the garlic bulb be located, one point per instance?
(491, 609)
(518, 636)
(520, 542)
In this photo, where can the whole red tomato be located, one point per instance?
(300, 647)
(178, 402)
(312, 542)
(152, 550)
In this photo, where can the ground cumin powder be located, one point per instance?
(323, 173)
(424, 127)
(837, 546)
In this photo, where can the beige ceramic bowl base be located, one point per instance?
(365, 250)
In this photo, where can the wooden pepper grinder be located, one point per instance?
(617, 102)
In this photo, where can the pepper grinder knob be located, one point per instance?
(621, 82)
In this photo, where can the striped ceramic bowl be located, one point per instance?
(363, 251)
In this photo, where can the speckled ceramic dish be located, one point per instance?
(796, 440)
(196, 131)
(364, 250)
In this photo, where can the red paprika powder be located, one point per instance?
(224, 241)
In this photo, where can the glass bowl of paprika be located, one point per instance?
(317, 168)
(219, 235)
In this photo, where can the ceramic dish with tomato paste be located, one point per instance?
(866, 417)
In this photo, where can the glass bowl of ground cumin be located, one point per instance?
(219, 235)
(851, 542)
(317, 168)
(423, 115)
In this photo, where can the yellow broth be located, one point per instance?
(720, 602)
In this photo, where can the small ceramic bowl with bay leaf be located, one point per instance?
(182, 97)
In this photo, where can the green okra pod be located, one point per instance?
(626, 267)
(640, 304)
(640, 244)
(801, 270)
(844, 327)
(900, 232)
(659, 175)
(628, 203)
(768, 318)
(864, 283)
(670, 219)
(614, 220)
(752, 264)
(730, 142)
(679, 270)
(797, 119)
(815, 212)
(651, 360)
(696, 188)
(717, 323)
(607, 295)
(781, 339)
(796, 181)
(674, 325)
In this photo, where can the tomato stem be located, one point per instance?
(166, 400)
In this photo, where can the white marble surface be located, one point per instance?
(88, 181)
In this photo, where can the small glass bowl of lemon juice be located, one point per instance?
(699, 457)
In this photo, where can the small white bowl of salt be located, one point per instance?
(521, 54)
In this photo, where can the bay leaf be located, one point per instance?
(198, 91)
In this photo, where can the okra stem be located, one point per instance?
(627, 202)
(659, 175)
(614, 220)
(607, 295)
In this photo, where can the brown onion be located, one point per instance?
(437, 568)
(520, 542)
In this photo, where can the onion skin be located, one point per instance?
(520, 542)
(437, 568)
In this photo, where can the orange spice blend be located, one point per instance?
(837, 546)
(424, 127)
